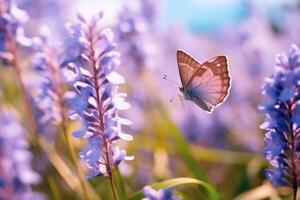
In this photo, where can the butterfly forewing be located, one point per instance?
(187, 66)
(205, 84)
(211, 81)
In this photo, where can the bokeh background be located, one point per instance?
(171, 140)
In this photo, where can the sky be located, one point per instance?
(198, 15)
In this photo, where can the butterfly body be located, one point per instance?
(205, 84)
(190, 95)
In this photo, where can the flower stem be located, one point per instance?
(112, 185)
(72, 153)
(110, 174)
(26, 98)
(106, 142)
(294, 197)
(293, 155)
(59, 89)
(13, 49)
(31, 120)
(53, 188)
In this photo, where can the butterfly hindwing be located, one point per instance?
(205, 84)
(209, 84)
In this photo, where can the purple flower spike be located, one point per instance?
(51, 94)
(282, 141)
(136, 21)
(90, 55)
(16, 175)
(165, 194)
(11, 30)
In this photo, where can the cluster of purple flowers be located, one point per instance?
(163, 194)
(282, 141)
(133, 33)
(91, 56)
(16, 174)
(11, 30)
(90, 59)
(50, 98)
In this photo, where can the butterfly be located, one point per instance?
(206, 84)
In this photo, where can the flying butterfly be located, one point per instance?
(206, 84)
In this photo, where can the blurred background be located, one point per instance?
(172, 140)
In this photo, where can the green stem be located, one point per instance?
(112, 185)
(72, 153)
(58, 88)
(28, 107)
(293, 153)
(53, 188)
(26, 98)
(109, 169)
(12, 48)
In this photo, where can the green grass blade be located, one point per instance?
(120, 185)
(211, 191)
(66, 172)
(185, 152)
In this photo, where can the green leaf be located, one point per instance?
(66, 172)
(185, 152)
(182, 147)
(211, 191)
(119, 184)
(265, 191)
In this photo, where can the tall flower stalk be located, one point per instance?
(12, 42)
(133, 33)
(91, 56)
(16, 176)
(12, 38)
(282, 141)
(51, 97)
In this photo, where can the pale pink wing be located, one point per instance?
(187, 66)
(211, 82)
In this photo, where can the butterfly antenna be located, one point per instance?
(167, 79)
(171, 100)
(181, 100)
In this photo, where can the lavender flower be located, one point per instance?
(16, 176)
(135, 23)
(283, 120)
(50, 98)
(149, 8)
(164, 194)
(90, 55)
(11, 30)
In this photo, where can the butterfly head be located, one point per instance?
(181, 89)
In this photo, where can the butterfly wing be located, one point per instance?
(209, 84)
(187, 66)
